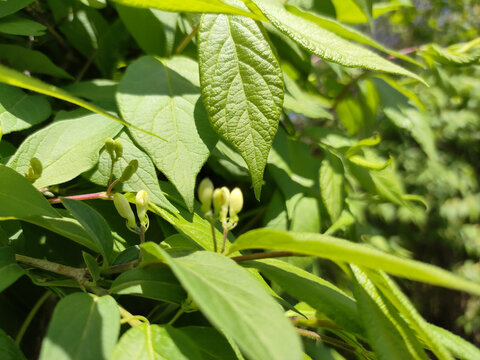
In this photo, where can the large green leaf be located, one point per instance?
(348, 32)
(318, 293)
(324, 43)
(342, 250)
(454, 343)
(331, 185)
(19, 199)
(237, 305)
(83, 326)
(95, 225)
(153, 283)
(387, 337)
(163, 96)
(154, 342)
(18, 25)
(145, 178)
(210, 342)
(8, 349)
(15, 78)
(34, 61)
(81, 140)
(203, 6)
(8, 7)
(19, 111)
(10, 271)
(242, 87)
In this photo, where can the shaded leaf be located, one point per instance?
(10, 271)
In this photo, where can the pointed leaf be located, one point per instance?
(241, 86)
(154, 342)
(75, 153)
(167, 101)
(10, 271)
(237, 305)
(342, 250)
(95, 225)
(210, 342)
(8, 7)
(324, 43)
(83, 326)
(9, 350)
(331, 185)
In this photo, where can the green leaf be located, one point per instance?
(366, 7)
(342, 250)
(95, 225)
(145, 178)
(348, 33)
(154, 342)
(391, 291)
(323, 296)
(10, 271)
(331, 185)
(18, 25)
(237, 305)
(92, 266)
(202, 6)
(141, 23)
(372, 165)
(9, 350)
(210, 342)
(454, 343)
(19, 111)
(385, 334)
(242, 87)
(83, 326)
(8, 7)
(19, 199)
(152, 283)
(306, 216)
(24, 59)
(15, 78)
(325, 43)
(64, 160)
(97, 4)
(174, 110)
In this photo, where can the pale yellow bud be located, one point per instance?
(221, 199)
(205, 194)
(124, 210)
(141, 202)
(236, 204)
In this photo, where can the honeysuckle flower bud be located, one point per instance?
(236, 204)
(141, 202)
(205, 194)
(124, 210)
(129, 170)
(118, 148)
(110, 147)
(220, 202)
(36, 166)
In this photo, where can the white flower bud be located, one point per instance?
(124, 210)
(221, 199)
(236, 204)
(141, 202)
(205, 194)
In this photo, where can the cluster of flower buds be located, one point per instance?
(226, 204)
(35, 170)
(123, 207)
(114, 148)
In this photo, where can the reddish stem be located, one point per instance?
(99, 195)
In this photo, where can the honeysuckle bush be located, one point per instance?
(250, 138)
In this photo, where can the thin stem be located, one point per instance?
(30, 316)
(212, 225)
(186, 40)
(116, 269)
(345, 90)
(176, 316)
(98, 195)
(132, 320)
(141, 233)
(111, 172)
(224, 240)
(326, 339)
(79, 274)
(86, 66)
(263, 255)
(110, 187)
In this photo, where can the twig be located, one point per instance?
(176, 316)
(186, 40)
(263, 255)
(110, 187)
(345, 90)
(79, 274)
(224, 240)
(212, 225)
(86, 65)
